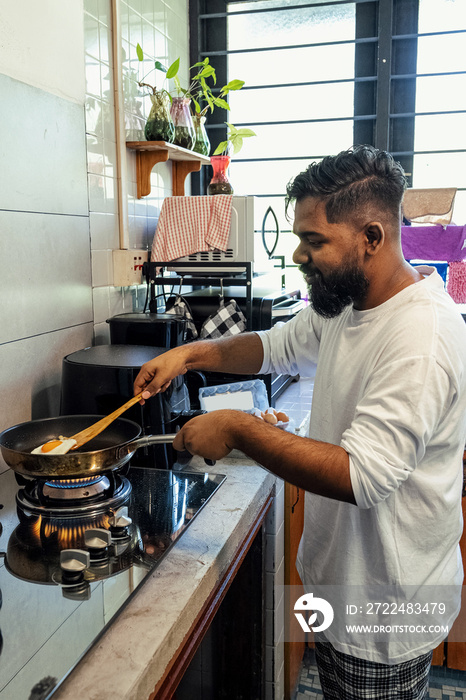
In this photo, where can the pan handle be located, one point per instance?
(147, 440)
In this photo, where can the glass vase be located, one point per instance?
(184, 127)
(159, 125)
(220, 183)
(201, 140)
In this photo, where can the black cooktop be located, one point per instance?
(48, 623)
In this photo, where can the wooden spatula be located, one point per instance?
(93, 430)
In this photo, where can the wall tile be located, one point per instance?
(100, 300)
(102, 270)
(96, 185)
(101, 334)
(52, 289)
(44, 146)
(105, 42)
(91, 36)
(93, 77)
(91, 7)
(34, 366)
(93, 108)
(104, 231)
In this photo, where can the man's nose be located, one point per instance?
(301, 256)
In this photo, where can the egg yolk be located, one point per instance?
(47, 446)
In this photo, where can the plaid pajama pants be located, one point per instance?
(345, 677)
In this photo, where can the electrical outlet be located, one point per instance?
(127, 267)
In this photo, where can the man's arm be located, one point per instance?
(318, 467)
(241, 354)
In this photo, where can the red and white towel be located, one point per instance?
(190, 225)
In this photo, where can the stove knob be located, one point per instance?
(73, 564)
(119, 523)
(97, 542)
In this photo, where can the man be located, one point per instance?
(382, 464)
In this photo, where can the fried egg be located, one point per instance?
(60, 446)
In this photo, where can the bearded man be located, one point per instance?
(382, 466)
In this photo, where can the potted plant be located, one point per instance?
(189, 106)
(191, 99)
(159, 125)
(201, 92)
(220, 160)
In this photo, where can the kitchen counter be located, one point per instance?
(131, 657)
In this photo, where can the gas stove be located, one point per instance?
(74, 552)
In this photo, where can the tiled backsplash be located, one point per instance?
(162, 31)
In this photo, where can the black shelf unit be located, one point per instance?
(221, 272)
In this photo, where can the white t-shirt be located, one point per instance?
(390, 388)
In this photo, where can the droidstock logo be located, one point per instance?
(313, 605)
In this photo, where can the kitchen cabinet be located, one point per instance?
(148, 647)
(220, 668)
(294, 649)
(452, 652)
(149, 153)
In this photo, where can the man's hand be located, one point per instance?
(211, 435)
(157, 374)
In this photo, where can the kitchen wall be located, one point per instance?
(162, 31)
(59, 216)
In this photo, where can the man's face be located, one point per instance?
(330, 257)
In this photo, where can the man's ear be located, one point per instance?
(375, 237)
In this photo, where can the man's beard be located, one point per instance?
(340, 288)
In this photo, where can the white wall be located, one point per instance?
(46, 307)
(58, 204)
(42, 44)
(162, 30)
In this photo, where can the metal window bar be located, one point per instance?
(391, 40)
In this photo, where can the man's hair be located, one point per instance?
(350, 181)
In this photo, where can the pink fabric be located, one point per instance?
(190, 225)
(456, 284)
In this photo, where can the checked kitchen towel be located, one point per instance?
(180, 307)
(227, 320)
(190, 225)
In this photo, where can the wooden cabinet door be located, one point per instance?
(455, 651)
(294, 649)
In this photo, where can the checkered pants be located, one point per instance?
(345, 677)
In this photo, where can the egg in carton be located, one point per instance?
(270, 415)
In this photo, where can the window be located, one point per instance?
(321, 76)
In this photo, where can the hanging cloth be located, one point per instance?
(179, 307)
(227, 320)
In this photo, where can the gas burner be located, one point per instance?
(68, 498)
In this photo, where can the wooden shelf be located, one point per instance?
(149, 153)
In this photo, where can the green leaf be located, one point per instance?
(237, 143)
(206, 71)
(233, 85)
(246, 132)
(173, 69)
(221, 103)
(201, 63)
(139, 52)
(222, 146)
(161, 67)
(196, 105)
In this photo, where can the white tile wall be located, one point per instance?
(162, 30)
(45, 281)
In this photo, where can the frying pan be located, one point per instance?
(108, 451)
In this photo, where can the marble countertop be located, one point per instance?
(130, 658)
